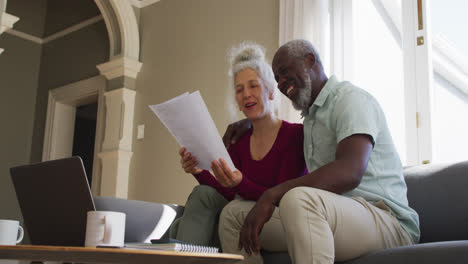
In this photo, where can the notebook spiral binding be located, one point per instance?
(196, 248)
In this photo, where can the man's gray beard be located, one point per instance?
(303, 100)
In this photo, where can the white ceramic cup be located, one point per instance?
(105, 228)
(11, 232)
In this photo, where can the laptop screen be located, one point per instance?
(54, 197)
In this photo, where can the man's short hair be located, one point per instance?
(299, 48)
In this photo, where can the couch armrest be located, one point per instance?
(438, 193)
(144, 220)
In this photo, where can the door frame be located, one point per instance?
(60, 121)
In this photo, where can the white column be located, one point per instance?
(116, 152)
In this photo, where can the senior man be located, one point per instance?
(352, 202)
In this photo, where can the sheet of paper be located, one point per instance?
(188, 120)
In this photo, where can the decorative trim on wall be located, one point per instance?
(73, 28)
(75, 94)
(129, 29)
(120, 67)
(7, 22)
(25, 36)
(59, 129)
(57, 35)
(143, 3)
(119, 127)
(78, 93)
(113, 27)
(122, 27)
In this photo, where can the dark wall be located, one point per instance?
(28, 71)
(64, 61)
(19, 73)
(63, 14)
(32, 14)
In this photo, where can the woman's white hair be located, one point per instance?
(249, 55)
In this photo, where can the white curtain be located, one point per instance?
(303, 19)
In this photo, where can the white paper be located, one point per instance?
(189, 121)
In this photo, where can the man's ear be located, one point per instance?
(310, 60)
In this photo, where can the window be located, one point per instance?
(450, 111)
(378, 67)
(387, 47)
(418, 75)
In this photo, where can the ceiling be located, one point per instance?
(42, 18)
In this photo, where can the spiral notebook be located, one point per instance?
(172, 245)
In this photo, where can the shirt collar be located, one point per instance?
(329, 86)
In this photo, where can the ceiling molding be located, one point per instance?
(142, 3)
(25, 36)
(57, 35)
(73, 28)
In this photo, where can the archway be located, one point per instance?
(124, 64)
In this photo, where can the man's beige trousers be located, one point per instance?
(316, 226)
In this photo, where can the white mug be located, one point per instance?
(105, 228)
(11, 232)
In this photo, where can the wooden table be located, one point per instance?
(111, 255)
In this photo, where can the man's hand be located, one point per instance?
(224, 175)
(189, 163)
(253, 224)
(235, 131)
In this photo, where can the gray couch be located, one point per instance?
(437, 192)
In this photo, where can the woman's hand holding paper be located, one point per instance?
(224, 175)
(189, 163)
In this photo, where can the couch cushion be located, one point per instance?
(270, 257)
(439, 194)
(453, 252)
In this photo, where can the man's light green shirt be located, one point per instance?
(341, 110)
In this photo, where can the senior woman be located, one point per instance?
(269, 154)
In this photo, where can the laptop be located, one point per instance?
(54, 197)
